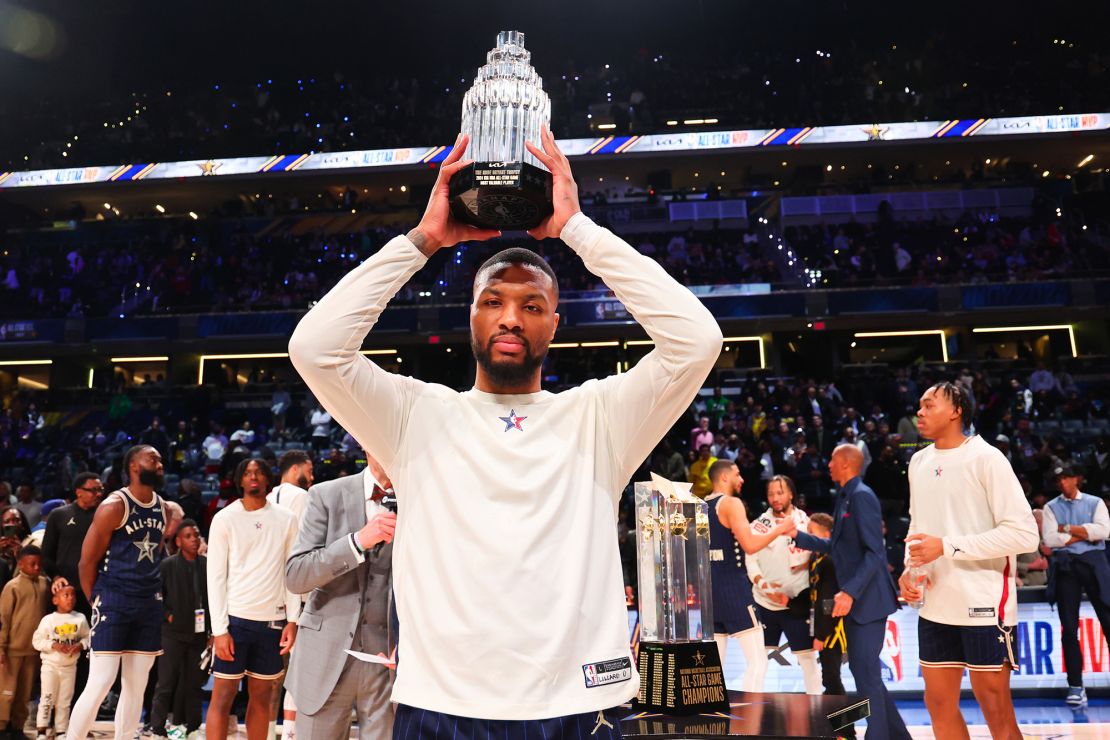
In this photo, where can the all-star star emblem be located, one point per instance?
(699, 659)
(512, 421)
(72, 522)
(146, 548)
(875, 132)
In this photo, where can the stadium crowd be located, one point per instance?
(1041, 418)
(750, 85)
(182, 266)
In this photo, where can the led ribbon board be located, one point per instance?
(685, 141)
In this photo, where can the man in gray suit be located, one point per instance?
(342, 560)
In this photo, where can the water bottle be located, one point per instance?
(918, 577)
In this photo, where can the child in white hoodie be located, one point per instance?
(60, 638)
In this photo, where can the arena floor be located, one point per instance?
(1043, 719)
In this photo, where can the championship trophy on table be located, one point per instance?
(505, 187)
(678, 661)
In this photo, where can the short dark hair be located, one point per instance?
(821, 519)
(29, 551)
(186, 523)
(83, 478)
(959, 398)
(131, 453)
(289, 458)
(519, 256)
(719, 468)
(241, 470)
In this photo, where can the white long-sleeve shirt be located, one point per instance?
(505, 562)
(71, 627)
(779, 562)
(292, 497)
(970, 497)
(247, 551)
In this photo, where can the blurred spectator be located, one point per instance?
(244, 435)
(699, 472)
(28, 504)
(23, 603)
(668, 462)
(320, 421)
(156, 437)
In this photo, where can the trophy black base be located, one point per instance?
(509, 196)
(793, 716)
(681, 678)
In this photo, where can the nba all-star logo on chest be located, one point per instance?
(512, 421)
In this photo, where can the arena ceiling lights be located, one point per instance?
(1047, 327)
(269, 356)
(25, 362)
(918, 333)
(156, 358)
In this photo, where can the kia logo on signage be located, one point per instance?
(495, 164)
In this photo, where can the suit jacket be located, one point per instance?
(858, 552)
(324, 566)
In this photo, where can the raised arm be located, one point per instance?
(367, 401)
(645, 402)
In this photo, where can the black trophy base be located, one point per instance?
(794, 716)
(509, 196)
(681, 678)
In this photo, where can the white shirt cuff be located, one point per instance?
(360, 556)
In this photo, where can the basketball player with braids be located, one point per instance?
(969, 521)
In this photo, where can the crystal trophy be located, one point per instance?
(505, 187)
(678, 661)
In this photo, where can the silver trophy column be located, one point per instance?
(505, 187)
(679, 665)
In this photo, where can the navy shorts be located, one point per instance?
(257, 650)
(777, 623)
(411, 723)
(986, 648)
(127, 624)
(745, 620)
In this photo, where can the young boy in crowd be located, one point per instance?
(185, 634)
(828, 632)
(60, 638)
(23, 603)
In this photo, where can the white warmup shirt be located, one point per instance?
(291, 497)
(970, 497)
(505, 565)
(779, 562)
(247, 551)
